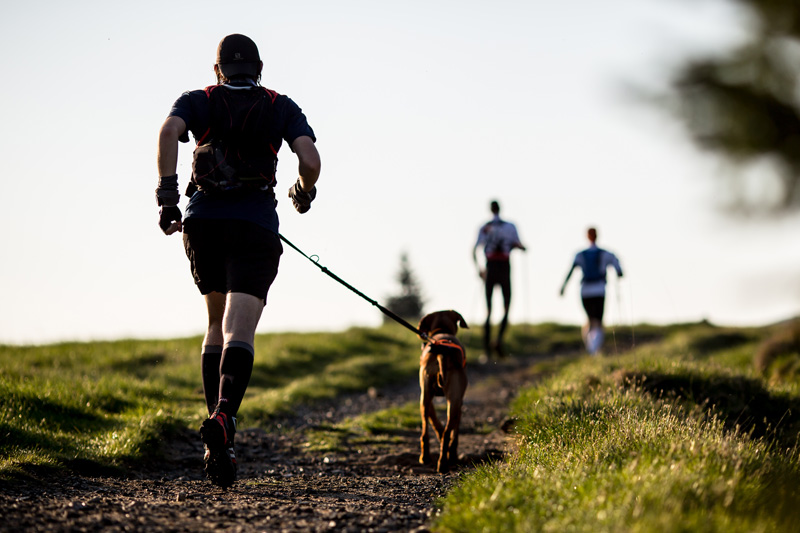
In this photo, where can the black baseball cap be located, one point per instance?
(238, 54)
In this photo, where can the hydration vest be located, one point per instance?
(496, 246)
(235, 150)
(592, 270)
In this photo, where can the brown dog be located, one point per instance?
(441, 372)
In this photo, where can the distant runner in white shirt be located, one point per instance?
(593, 262)
(497, 237)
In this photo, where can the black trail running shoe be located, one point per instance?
(217, 433)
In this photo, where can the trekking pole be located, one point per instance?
(619, 314)
(630, 312)
(525, 288)
(383, 310)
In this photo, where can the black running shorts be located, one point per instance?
(594, 307)
(498, 273)
(231, 255)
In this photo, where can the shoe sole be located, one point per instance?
(219, 468)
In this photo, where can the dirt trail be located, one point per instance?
(282, 486)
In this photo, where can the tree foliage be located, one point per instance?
(745, 104)
(408, 304)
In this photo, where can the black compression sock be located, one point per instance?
(235, 371)
(210, 361)
(502, 330)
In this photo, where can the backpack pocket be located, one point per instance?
(210, 171)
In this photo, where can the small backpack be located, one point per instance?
(235, 151)
(592, 270)
(495, 243)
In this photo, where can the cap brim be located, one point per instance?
(235, 69)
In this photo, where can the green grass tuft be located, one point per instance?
(384, 427)
(778, 356)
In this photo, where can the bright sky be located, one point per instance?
(424, 112)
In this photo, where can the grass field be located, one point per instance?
(688, 427)
(681, 434)
(99, 406)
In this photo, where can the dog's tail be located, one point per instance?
(442, 366)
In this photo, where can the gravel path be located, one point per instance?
(282, 485)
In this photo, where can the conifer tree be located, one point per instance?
(744, 105)
(408, 303)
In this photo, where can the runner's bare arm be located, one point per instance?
(481, 271)
(569, 274)
(172, 128)
(167, 161)
(309, 164)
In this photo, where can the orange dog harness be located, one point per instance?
(450, 344)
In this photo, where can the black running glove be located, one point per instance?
(167, 215)
(301, 199)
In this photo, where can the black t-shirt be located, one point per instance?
(255, 206)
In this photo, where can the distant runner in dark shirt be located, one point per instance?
(497, 238)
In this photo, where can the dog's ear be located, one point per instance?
(458, 319)
(425, 323)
